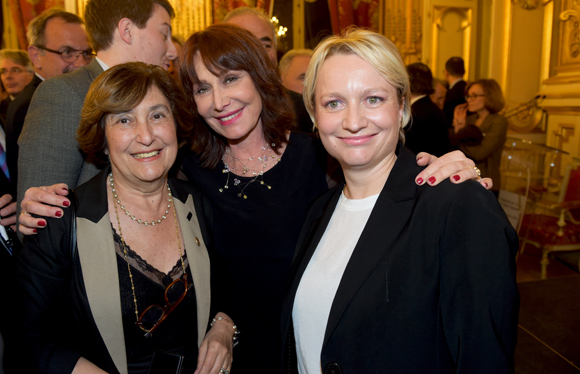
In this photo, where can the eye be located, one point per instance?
(332, 104)
(158, 115)
(374, 100)
(65, 52)
(230, 79)
(267, 45)
(201, 90)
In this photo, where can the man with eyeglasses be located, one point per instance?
(16, 72)
(58, 44)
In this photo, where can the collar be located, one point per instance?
(39, 76)
(415, 99)
(103, 65)
(454, 83)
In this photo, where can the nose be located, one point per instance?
(144, 132)
(171, 50)
(220, 99)
(354, 120)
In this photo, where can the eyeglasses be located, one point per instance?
(152, 317)
(473, 97)
(71, 55)
(11, 71)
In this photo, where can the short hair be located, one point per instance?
(455, 66)
(17, 56)
(286, 60)
(494, 100)
(102, 17)
(438, 81)
(375, 49)
(258, 12)
(226, 47)
(420, 79)
(37, 27)
(120, 89)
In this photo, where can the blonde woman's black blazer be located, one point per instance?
(430, 286)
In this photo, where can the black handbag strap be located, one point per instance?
(73, 223)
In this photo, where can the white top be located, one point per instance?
(322, 276)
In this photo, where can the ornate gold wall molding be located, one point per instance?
(464, 31)
(402, 24)
(569, 43)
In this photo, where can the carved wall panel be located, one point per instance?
(569, 53)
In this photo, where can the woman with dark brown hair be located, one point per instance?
(126, 283)
(481, 135)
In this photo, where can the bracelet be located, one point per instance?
(236, 331)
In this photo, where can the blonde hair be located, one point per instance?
(375, 49)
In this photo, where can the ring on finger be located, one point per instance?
(224, 371)
(477, 171)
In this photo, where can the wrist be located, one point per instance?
(224, 320)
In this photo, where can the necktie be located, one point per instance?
(3, 164)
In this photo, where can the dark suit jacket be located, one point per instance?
(453, 98)
(72, 307)
(14, 121)
(4, 108)
(428, 130)
(48, 150)
(429, 288)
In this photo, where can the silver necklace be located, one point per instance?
(146, 223)
(257, 175)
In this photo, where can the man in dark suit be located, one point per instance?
(255, 21)
(427, 132)
(454, 72)
(119, 31)
(53, 36)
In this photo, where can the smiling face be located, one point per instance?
(14, 76)
(153, 42)
(229, 103)
(358, 113)
(475, 98)
(293, 77)
(142, 143)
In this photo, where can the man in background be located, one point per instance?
(439, 92)
(427, 132)
(292, 67)
(16, 72)
(58, 44)
(454, 72)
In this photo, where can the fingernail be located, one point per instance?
(419, 158)
(34, 231)
(432, 180)
(486, 185)
(420, 181)
(65, 203)
(456, 177)
(41, 223)
(58, 214)
(65, 189)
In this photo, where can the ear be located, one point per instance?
(34, 53)
(126, 30)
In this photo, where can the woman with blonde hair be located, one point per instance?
(391, 276)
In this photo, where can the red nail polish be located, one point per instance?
(486, 185)
(41, 223)
(432, 180)
(65, 203)
(419, 158)
(420, 181)
(456, 177)
(34, 231)
(58, 214)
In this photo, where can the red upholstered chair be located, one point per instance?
(557, 227)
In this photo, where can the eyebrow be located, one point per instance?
(266, 39)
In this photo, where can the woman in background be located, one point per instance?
(391, 276)
(481, 135)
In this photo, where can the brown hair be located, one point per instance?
(103, 16)
(224, 48)
(494, 101)
(120, 89)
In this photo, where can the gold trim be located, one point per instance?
(466, 24)
(568, 110)
(566, 79)
(547, 41)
